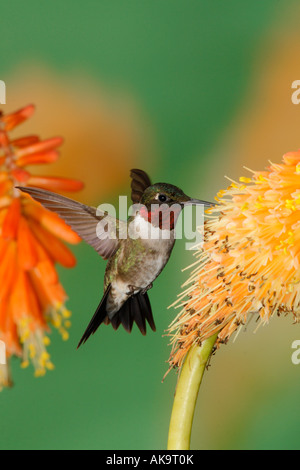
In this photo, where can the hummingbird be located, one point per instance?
(136, 250)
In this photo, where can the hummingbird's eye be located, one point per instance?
(162, 198)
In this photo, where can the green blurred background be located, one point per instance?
(206, 88)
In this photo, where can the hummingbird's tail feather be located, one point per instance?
(115, 321)
(139, 312)
(136, 309)
(125, 314)
(148, 313)
(98, 318)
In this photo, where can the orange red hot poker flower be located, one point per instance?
(249, 262)
(31, 242)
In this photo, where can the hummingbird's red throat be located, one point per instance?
(162, 216)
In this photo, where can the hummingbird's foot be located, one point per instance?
(132, 290)
(147, 288)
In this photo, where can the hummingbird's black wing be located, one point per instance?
(98, 318)
(140, 182)
(97, 228)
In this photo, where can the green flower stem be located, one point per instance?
(186, 394)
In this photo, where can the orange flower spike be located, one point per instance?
(4, 140)
(5, 186)
(11, 337)
(250, 259)
(19, 298)
(3, 316)
(55, 184)
(8, 268)
(25, 141)
(46, 266)
(39, 283)
(3, 247)
(48, 157)
(54, 247)
(20, 175)
(30, 244)
(55, 296)
(34, 306)
(12, 120)
(27, 252)
(39, 147)
(51, 222)
(11, 221)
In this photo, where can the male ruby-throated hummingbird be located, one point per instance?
(136, 250)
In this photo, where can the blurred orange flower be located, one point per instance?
(111, 127)
(31, 242)
(250, 259)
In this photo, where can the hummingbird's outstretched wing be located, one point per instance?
(140, 182)
(98, 229)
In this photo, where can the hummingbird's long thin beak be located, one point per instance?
(197, 202)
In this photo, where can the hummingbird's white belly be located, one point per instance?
(145, 268)
(146, 272)
(158, 244)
